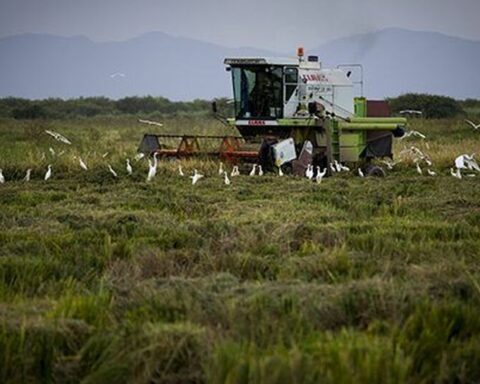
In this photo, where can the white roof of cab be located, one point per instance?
(261, 61)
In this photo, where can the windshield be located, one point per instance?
(258, 92)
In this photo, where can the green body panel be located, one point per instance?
(368, 126)
(360, 106)
(391, 120)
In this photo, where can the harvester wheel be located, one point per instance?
(374, 170)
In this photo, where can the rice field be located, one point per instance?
(268, 280)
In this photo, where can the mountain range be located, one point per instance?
(394, 61)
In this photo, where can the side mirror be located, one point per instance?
(214, 106)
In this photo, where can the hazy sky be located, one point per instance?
(273, 24)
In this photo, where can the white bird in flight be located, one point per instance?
(150, 122)
(413, 133)
(112, 171)
(117, 74)
(58, 137)
(129, 167)
(48, 174)
(196, 176)
(475, 126)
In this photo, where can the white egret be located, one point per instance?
(419, 170)
(196, 176)
(320, 175)
(235, 171)
(52, 151)
(338, 168)
(280, 172)
(129, 167)
(431, 173)
(227, 180)
(2, 178)
(220, 169)
(344, 168)
(112, 171)
(456, 173)
(309, 172)
(332, 168)
(180, 171)
(48, 174)
(58, 137)
(254, 168)
(152, 168)
(27, 175)
(475, 126)
(360, 172)
(139, 156)
(260, 170)
(82, 164)
(150, 122)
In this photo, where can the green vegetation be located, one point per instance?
(272, 280)
(432, 106)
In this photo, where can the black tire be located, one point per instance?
(374, 170)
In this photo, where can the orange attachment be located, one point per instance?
(300, 52)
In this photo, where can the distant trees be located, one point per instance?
(432, 106)
(19, 108)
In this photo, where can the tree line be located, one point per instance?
(431, 106)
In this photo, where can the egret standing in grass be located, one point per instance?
(2, 178)
(320, 175)
(419, 170)
(235, 171)
(220, 169)
(254, 168)
(260, 170)
(227, 180)
(152, 170)
(48, 174)
(82, 164)
(129, 167)
(280, 172)
(27, 175)
(431, 173)
(360, 172)
(309, 172)
(180, 171)
(112, 171)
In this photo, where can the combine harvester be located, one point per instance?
(297, 113)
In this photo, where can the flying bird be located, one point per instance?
(48, 174)
(196, 176)
(150, 122)
(117, 74)
(413, 133)
(58, 137)
(112, 171)
(475, 126)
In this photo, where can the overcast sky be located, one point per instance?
(274, 24)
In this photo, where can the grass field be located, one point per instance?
(271, 280)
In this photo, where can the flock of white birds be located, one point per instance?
(463, 163)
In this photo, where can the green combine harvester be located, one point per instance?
(300, 114)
